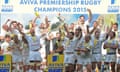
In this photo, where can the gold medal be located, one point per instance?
(33, 38)
(8, 49)
(95, 42)
(68, 42)
(109, 42)
(78, 52)
(58, 43)
(86, 44)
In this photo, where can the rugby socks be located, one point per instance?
(106, 69)
(39, 71)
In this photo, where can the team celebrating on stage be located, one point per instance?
(80, 44)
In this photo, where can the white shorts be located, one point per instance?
(118, 60)
(26, 59)
(83, 61)
(35, 56)
(96, 58)
(25, 55)
(16, 58)
(69, 58)
(25, 52)
(110, 58)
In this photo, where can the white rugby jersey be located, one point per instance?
(16, 49)
(97, 45)
(112, 42)
(69, 45)
(5, 46)
(33, 44)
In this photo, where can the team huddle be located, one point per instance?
(80, 44)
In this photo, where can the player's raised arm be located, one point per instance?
(23, 34)
(88, 29)
(34, 20)
(90, 15)
(66, 29)
(47, 22)
(7, 21)
(91, 32)
(5, 26)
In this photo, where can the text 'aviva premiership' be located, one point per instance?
(60, 2)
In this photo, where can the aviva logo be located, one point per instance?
(113, 1)
(114, 6)
(6, 1)
(7, 7)
(55, 58)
